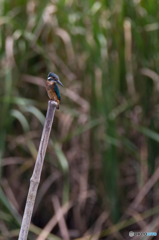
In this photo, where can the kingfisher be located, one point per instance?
(52, 88)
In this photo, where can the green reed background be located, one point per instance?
(103, 151)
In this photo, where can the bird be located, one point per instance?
(52, 88)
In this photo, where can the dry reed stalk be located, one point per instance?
(35, 179)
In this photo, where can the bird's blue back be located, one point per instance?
(57, 91)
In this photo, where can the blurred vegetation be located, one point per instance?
(102, 161)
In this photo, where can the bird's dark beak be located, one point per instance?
(58, 81)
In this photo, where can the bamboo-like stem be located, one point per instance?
(35, 179)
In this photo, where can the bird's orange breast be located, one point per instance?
(51, 92)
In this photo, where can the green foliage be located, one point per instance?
(106, 54)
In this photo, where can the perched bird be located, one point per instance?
(52, 88)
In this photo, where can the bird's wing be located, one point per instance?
(57, 91)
